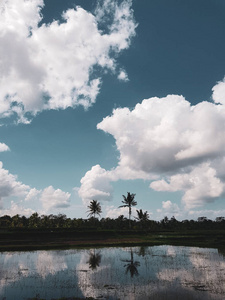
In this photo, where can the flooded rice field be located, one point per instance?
(159, 272)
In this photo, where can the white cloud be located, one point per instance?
(17, 209)
(95, 185)
(219, 92)
(200, 186)
(114, 212)
(209, 213)
(10, 186)
(3, 147)
(167, 134)
(169, 209)
(27, 197)
(53, 66)
(54, 199)
(179, 146)
(32, 194)
(123, 76)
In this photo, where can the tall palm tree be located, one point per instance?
(94, 208)
(129, 202)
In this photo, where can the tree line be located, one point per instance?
(140, 222)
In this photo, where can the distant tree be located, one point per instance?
(173, 222)
(16, 221)
(59, 220)
(142, 217)
(202, 219)
(129, 202)
(220, 219)
(34, 220)
(5, 221)
(94, 208)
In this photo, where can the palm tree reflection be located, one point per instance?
(131, 265)
(94, 260)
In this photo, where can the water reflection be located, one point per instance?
(131, 266)
(142, 251)
(94, 260)
(160, 272)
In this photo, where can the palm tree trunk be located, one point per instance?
(129, 216)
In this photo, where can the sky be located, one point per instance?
(100, 98)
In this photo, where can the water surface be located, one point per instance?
(159, 272)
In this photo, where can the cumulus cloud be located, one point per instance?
(123, 76)
(3, 147)
(17, 209)
(27, 197)
(32, 194)
(54, 199)
(179, 146)
(169, 209)
(114, 212)
(166, 134)
(219, 92)
(95, 185)
(200, 186)
(10, 186)
(52, 66)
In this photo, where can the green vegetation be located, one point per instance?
(110, 232)
(58, 231)
(60, 221)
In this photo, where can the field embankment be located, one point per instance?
(13, 240)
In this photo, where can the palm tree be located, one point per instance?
(94, 208)
(129, 202)
(142, 216)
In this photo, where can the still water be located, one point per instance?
(159, 272)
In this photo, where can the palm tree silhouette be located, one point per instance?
(94, 260)
(142, 217)
(129, 202)
(132, 265)
(94, 208)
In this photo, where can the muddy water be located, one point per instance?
(159, 272)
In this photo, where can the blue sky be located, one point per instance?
(74, 126)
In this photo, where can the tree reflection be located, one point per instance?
(142, 251)
(94, 260)
(131, 265)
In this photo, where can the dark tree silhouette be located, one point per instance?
(94, 260)
(132, 265)
(94, 208)
(142, 216)
(129, 202)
